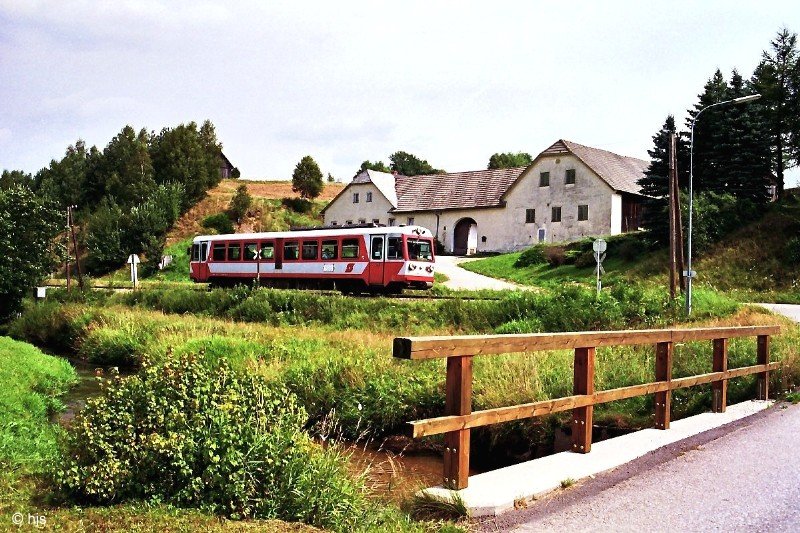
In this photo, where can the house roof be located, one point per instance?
(384, 181)
(621, 173)
(455, 190)
(225, 161)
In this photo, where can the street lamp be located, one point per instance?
(689, 273)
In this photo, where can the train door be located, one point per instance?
(376, 260)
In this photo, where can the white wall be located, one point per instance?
(343, 209)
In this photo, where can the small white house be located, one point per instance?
(568, 192)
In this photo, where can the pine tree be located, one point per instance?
(777, 78)
(655, 183)
(709, 135)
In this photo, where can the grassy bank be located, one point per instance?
(349, 377)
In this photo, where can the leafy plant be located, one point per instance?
(220, 222)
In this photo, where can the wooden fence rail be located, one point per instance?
(459, 351)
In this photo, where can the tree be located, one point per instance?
(777, 78)
(509, 160)
(188, 156)
(125, 171)
(104, 239)
(330, 178)
(410, 165)
(65, 180)
(307, 178)
(379, 166)
(655, 183)
(240, 202)
(709, 133)
(28, 227)
(14, 178)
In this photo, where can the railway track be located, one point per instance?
(406, 296)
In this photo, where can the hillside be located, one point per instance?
(266, 197)
(760, 259)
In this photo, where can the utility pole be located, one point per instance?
(66, 237)
(75, 245)
(675, 225)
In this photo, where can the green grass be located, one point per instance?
(30, 386)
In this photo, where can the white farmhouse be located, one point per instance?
(568, 192)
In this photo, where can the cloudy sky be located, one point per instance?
(452, 82)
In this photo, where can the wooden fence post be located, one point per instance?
(719, 395)
(458, 401)
(763, 359)
(663, 399)
(583, 384)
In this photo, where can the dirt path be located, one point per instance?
(466, 280)
(741, 477)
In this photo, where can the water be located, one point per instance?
(88, 386)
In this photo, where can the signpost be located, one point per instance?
(599, 246)
(133, 260)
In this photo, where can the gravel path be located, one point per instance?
(464, 279)
(743, 477)
(788, 310)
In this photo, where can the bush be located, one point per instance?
(534, 255)
(555, 255)
(585, 259)
(220, 223)
(791, 251)
(240, 202)
(298, 205)
(112, 346)
(195, 433)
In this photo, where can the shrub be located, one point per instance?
(240, 202)
(555, 255)
(534, 255)
(220, 223)
(196, 433)
(791, 251)
(585, 259)
(298, 205)
(112, 346)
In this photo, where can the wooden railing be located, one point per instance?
(459, 351)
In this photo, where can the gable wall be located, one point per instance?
(343, 209)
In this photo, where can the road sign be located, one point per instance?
(599, 245)
(690, 273)
(133, 259)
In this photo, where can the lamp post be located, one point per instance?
(689, 273)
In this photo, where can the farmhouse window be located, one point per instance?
(290, 251)
(544, 179)
(218, 252)
(391, 222)
(583, 212)
(362, 220)
(369, 196)
(310, 250)
(556, 214)
(530, 216)
(355, 197)
(376, 221)
(569, 178)
(410, 221)
(330, 249)
(348, 222)
(349, 248)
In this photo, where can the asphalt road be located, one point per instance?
(741, 477)
(790, 311)
(460, 278)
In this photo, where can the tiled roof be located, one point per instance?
(455, 190)
(622, 173)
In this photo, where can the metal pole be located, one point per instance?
(740, 100)
(66, 260)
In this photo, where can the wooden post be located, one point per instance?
(663, 373)
(719, 397)
(457, 402)
(673, 230)
(583, 384)
(763, 359)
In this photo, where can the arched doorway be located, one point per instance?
(465, 237)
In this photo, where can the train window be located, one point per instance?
(234, 252)
(419, 250)
(267, 250)
(349, 248)
(394, 248)
(219, 252)
(290, 251)
(310, 250)
(250, 251)
(330, 249)
(204, 251)
(377, 247)
(195, 252)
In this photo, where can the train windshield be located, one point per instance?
(199, 251)
(419, 250)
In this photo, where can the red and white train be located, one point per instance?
(351, 259)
